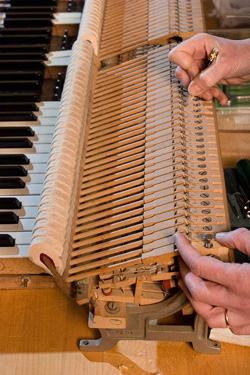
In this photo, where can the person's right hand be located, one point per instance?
(230, 67)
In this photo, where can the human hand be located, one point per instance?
(230, 67)
(214, 287)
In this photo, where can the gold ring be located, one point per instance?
(226, 319)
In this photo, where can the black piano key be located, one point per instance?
(26, 9)
(27, 15)
(18, 107)
(23, 86)
(6, 240)
(12, 183)
(20, 56)
(41, 48)
(19, 97)
(10, 204)
(32, 3)
(26, 22)
(15, 159)
(21, 76)
(39, 32)
(16, 131)
(8, 218)
(12, 171)
(22, 38)
(15, 143)
(16, 117)
(27, 64)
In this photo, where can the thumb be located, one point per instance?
(237, 239)
(206, 79)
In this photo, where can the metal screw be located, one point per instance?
(207, 238)
(112, 307)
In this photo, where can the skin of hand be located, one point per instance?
(213, 286)
(231, 66)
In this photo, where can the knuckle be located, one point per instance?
(196, 266)
(207, 80)
(197, 294)
(240, 233)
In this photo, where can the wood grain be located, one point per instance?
(39, 331)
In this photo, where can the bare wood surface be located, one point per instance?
(40, 330)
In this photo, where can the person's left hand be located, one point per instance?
(214, 287)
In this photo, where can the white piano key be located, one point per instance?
(59, 54)
(36, 148)
(32, 178)
(46, 112)
(24, 212)
(27, 201)
(21, 238)
(38, 158)
(23, 225)
(48, 105)
(29, 189)
(40, 122)
(67, 18)
(63, 61)
(22, 251)
(36, 168)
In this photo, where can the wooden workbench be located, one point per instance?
(39, 331)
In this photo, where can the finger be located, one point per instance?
(219, 95)
(206, 292)
(185, 60)
(237, 239)
(182, 76)
(238, 318)
(214, 316)
(243, 330)
(231, 275)
(206, 79)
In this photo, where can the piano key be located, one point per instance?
(39, 148)
(27, 201)
(8, 217)
(17, 116)
(11, 183)
(25, 3)
(15, 143)
(14, 251)
(36, 139)
(67, 18)
(32, 178)
(18, 108)
(6, 240)
(41, 121)
(18, 131)
(6, 159)
(21, 238)
(25, 212)
(36, 168)
(13, 46)
(7, 203)
(19, 225)
(12, 171)
(29, 189)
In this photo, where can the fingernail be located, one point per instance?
(220, 236)
(193, 89)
